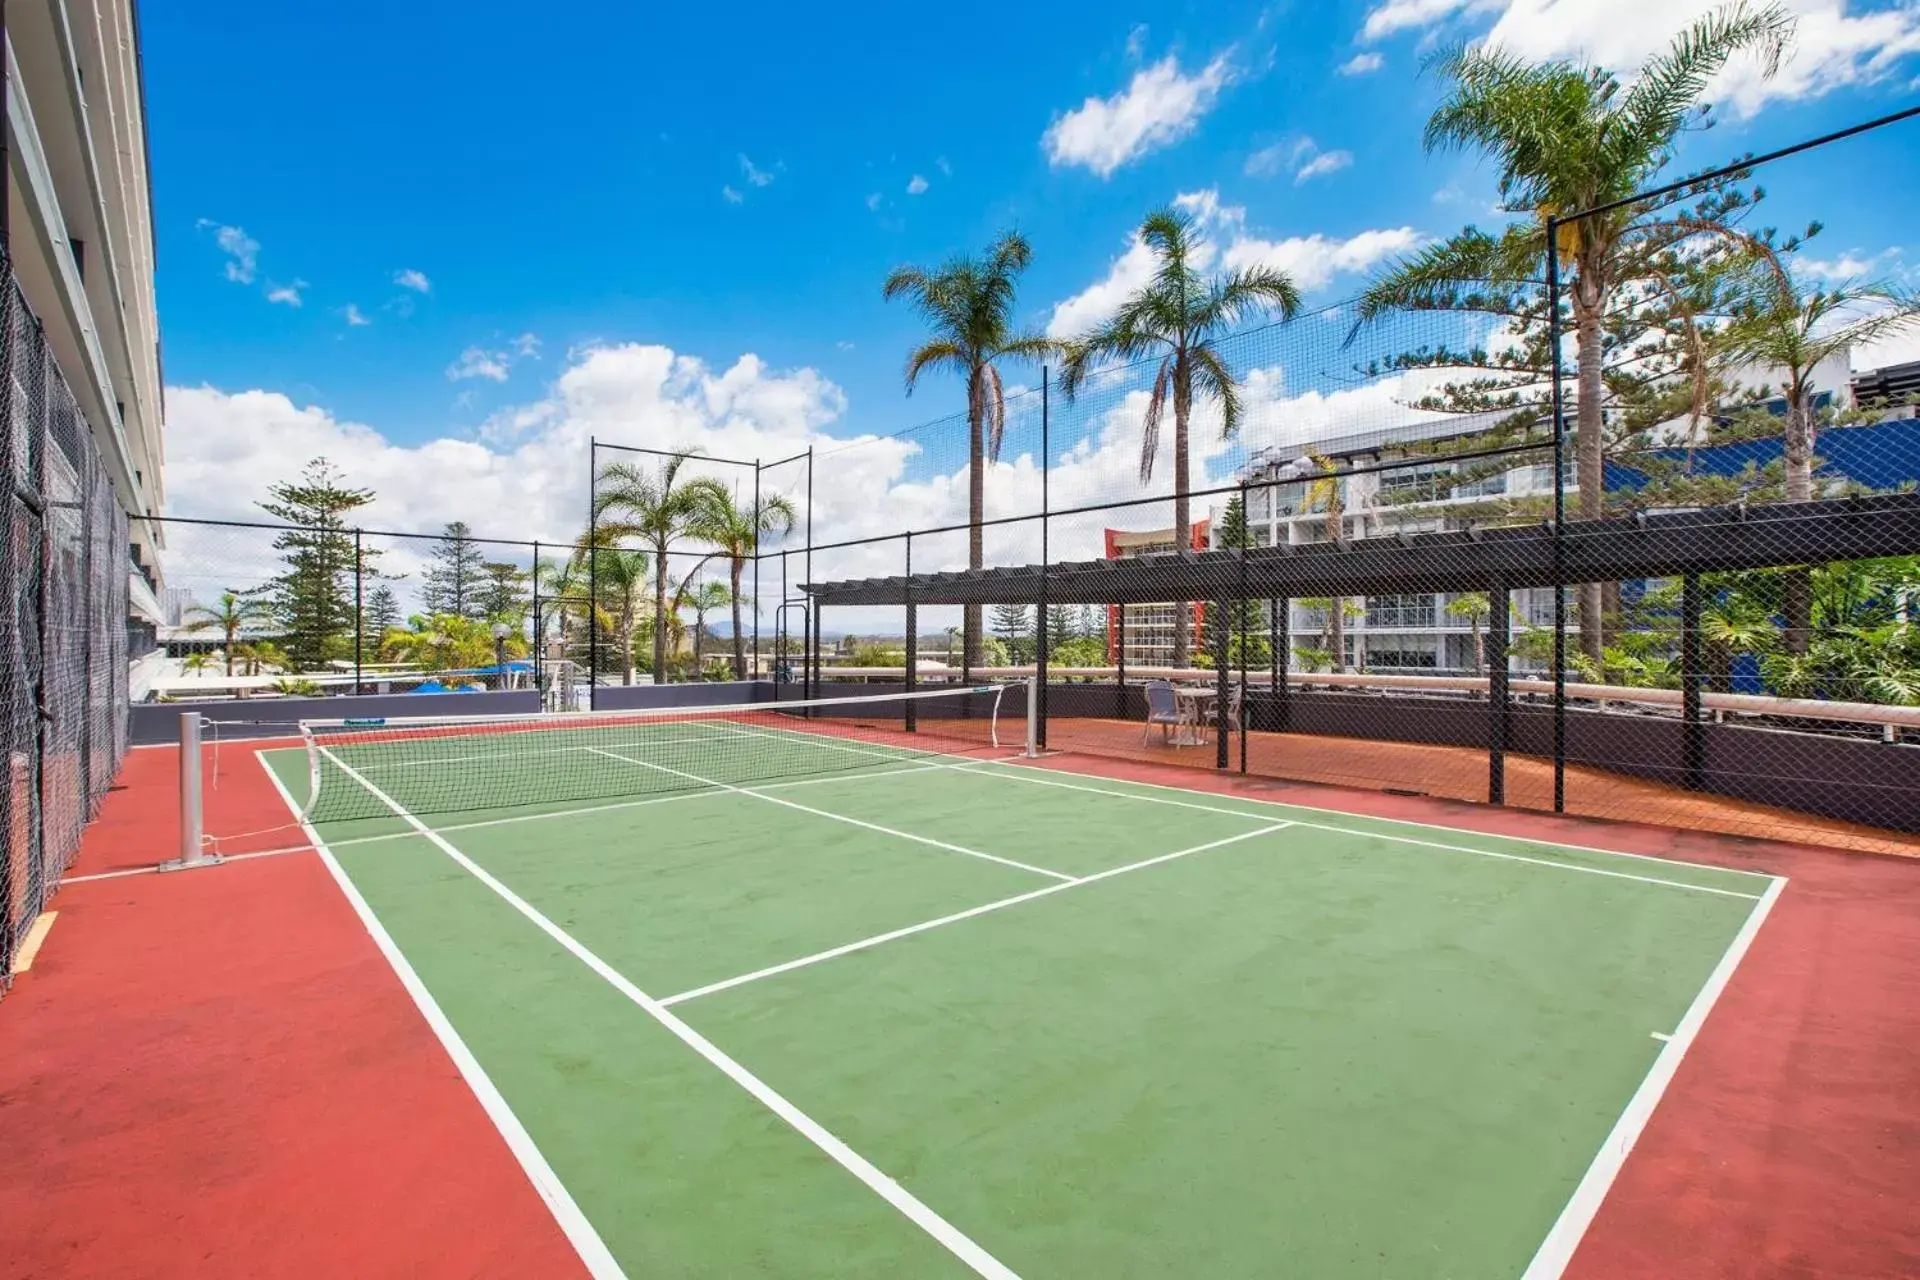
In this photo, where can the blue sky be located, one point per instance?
(608, 206)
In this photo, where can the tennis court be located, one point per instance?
(784, 991)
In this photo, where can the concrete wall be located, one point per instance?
(703, 693)
(235, 718)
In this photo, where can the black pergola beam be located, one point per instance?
(1660, 545)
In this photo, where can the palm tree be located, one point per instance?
(1568, 137)
(1475, 607)
(1778, 324)
(702, 600)
(230, 617)
(968, 304)
(659, 509)
(197, 662)
(621, 580)
(1179, 316)
(738, 531)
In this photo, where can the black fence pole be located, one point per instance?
(1120, 660)
(753, 664)
(539, 634)
(359, 610)
(815, 610)
(1220, 661)
(813, 655)
(1244, 606)
(1499, 704)
(1693, 727)
(913, 643)
(593, 574)
(1043, 638)
(1281, 624)
(1559, 521)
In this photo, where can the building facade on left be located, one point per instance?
(82, 449)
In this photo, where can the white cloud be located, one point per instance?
(478, 362)
(1277, 157)
(1834, 45)
(873, 202)
(351, 314)
(1361, 64)
(527, 346)
(417, 281)
(1159, 107)
(1225, 243)
(943, 165)
(242, 250)
(1137, 42)
(731, 196)
(1321, 165)
(754, 175)
(286, 294)
(916, 185)
(1839, 270)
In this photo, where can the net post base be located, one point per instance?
(192, 864)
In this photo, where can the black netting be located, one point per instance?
(63, 628)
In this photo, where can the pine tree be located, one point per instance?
(382, 613)
(1012, 623)
(455, 581)
(1241, 617)
(503, 593)
(312, 600)
(1062, 625)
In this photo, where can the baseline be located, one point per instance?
(1570, 1227)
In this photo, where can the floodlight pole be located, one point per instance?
(753, 668)
(1042, 641)
(359, 610)
(1559, 520)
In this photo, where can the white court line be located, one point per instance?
(820, 740)
(635, 804)
(841, 817)
(1406, 822)
(1557, 1250)
(515, 755)
(895, 934)
(154, 869)
(586, 1242)
(1016, 774)
(949, 1236)
(1538, 862)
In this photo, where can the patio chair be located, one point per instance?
(1163, 709)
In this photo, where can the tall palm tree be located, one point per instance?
(660, 509)
(229, 618)
(701, 599)
(968, 304)
(621, 580)
(1780, 324)
(737, 531)
(1568, 137)
(1180, 315)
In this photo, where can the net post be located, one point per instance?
(1032, 750)
(192, 819)
(913, 644)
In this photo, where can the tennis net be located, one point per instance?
(467, 764)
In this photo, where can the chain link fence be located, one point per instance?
(64, 628)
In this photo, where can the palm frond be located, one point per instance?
(1213, 377)
(1446, 276)
(1150, 426)
(1669, 87)
(994, 407)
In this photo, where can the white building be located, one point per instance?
(1436, 632)
(80, 233)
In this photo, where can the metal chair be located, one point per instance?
(1163, 709)
(1237, 709)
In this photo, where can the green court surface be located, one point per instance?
(939, 1015)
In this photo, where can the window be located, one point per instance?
(1416, 484)
(1417, 659)
(1400, 611)
(1482, 486)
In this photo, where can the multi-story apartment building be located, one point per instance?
(1435, 632)
(79, 233)
(1149, 627)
